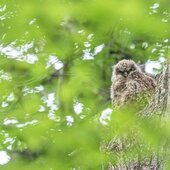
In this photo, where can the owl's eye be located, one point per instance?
(120, 72)
(132, 69)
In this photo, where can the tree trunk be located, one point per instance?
(158, 107)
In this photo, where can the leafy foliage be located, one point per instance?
(56, 63)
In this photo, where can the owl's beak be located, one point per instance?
(125, 73)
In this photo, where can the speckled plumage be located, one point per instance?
(129, 82)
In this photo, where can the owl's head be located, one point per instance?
(125, 67)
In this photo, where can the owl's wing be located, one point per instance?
(146, 82)
(139, 89)
(117, 88)
(114, 92)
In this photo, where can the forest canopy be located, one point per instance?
(55, 76)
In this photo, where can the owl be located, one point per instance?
(130, 84)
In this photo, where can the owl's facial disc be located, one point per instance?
(125, 68)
